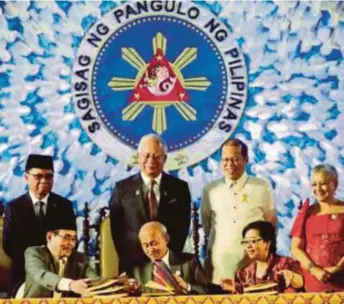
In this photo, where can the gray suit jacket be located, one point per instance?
(41, 272)
(188, 265)
(22, 229)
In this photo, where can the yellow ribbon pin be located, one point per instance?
(244, 198)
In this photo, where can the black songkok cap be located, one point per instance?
(67, 223)
(39, 161)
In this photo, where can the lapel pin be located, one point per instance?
(172, 201)
(137, 192)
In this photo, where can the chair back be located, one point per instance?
(108, 255)
(5, 262)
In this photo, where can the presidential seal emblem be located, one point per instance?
(165, 67)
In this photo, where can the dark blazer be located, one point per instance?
(128, 212)
(188, 265)
(41, 272)
(23, 229)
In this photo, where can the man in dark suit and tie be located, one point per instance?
(181, 272)
(26, 217)
(147, 196)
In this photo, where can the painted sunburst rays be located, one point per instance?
(159, 84)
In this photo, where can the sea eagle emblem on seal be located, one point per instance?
(159, 84)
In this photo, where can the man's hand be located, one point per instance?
(134, 288)
(80, 287)
(228, 285)
(183, 285)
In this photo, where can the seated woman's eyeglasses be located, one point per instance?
(250, 242)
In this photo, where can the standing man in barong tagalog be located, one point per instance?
(26, 216)
(151, 195)
(228, 205)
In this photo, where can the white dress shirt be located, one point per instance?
(35, 201)
(227, 208)
(156, 188)
(166, 259)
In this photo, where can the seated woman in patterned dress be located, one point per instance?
(318, 234)
(259, 239)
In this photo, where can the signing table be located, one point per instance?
(291, 298)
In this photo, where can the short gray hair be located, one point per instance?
(157, 226)
(325, 168)
(154, 136)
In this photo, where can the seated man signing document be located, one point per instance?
(56, 269)
(179, 273)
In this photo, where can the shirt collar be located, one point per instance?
(239, 182)
(63, 260)
(56, 258)
(165, 258)
(35, 199)
(146, 179)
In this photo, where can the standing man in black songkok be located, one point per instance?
(26, 216)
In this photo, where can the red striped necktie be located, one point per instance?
(152, 201)
(163, 276)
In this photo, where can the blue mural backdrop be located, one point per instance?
(293, 120)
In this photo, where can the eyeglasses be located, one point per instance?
(67, 238)
(250, 242)
(152, 156)
(232, 160)
(38, 177)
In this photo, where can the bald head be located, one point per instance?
(154, 240)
